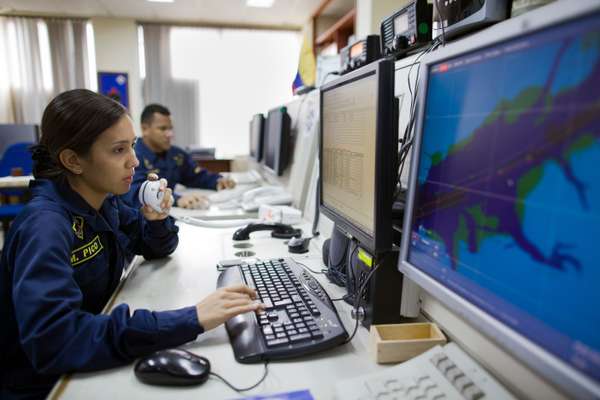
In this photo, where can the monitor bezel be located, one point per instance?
(386, 151)
(544, 363)
(281, 157)
(261, 137)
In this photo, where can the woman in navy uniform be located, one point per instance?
(65, 252)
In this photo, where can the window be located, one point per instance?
(240, 73)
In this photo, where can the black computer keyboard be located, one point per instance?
(299, 319)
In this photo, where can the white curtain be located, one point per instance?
(6, 109)
(180, 96)
(69, 54)
(39, 59)
(26, 89)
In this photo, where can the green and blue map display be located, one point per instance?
(507, 202)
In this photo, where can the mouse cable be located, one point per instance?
(239, 390)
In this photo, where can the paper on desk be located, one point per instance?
(296, 395)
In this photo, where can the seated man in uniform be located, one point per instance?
(157, 155)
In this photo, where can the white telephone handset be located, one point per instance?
(263, 191)
(253, 198)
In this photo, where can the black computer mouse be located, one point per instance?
(174, 367)
(298, 245)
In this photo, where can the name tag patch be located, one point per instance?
(86, 252)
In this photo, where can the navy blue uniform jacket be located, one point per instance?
(175, 165)
(61, 262)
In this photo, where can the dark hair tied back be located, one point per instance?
(72, 120)
(44, 165)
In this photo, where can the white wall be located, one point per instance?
(117, 51)
(369, 14)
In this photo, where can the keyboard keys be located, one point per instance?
(453, 373)
(293, 301)
(282, 303)
(267, 302)
(317, 335)
(393, 385)
(277, 342)
(300, 337)
(472, 392)
(267, 330)
(462, 383)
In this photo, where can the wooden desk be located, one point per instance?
(215, 165)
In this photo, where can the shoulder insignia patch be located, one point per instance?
(148, 164)
(78, 226)
(178, 159)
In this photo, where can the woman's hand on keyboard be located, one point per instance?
(226, 303)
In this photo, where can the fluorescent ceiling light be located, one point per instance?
(260, 3)
(161, 1)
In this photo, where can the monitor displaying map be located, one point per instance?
(507, 198)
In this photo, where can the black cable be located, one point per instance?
(239, 390)
(315, 226)
(437, 7)
(408, 138)
(333, 272)
(349, 264)
(310, 269)
(358, 299)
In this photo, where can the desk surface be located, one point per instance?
(185, 278)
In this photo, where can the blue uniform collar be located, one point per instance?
(62, 194)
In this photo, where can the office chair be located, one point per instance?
(15, 160)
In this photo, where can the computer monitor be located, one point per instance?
(358, 153)
(257, 137)
(277, 140)
(503, 213)
(17, 133)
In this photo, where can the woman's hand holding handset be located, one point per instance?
(156, 198)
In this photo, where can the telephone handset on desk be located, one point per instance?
(252, 199)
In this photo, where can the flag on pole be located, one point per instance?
(306, 66)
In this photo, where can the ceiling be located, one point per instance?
(284, 13)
